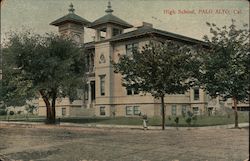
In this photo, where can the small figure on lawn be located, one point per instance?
(144, 121)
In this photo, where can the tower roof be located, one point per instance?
(70, 17)
(110, 18)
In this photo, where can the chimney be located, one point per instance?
(145, 24)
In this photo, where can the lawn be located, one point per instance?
(22, 117)
(153, 121)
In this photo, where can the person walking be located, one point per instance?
(144, 121)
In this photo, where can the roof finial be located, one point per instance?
(71, 8)
(109, 8)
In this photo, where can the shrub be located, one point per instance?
(176, 120)
(189, 120)
(3, 112)
(169, 118)
(194, 118)
(190, 114)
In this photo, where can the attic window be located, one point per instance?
(102, 35)
(116, 31)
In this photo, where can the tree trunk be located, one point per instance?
(163, 112)
(236, 125)
(48, 107)
(53, 117)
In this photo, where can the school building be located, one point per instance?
(104, 94)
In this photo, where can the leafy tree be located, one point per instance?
(225, 69)
(49, 66)
(159, 69)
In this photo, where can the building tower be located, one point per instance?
(71, 25)
(106, 28)
(108, 25)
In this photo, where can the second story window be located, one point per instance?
(102, 85)
(131, 91)
(196, 94)
(131, 47)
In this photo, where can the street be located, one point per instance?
(54, 143)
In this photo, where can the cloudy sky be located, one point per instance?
(185, 17)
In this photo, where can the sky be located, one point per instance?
(184, 17)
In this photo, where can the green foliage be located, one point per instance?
(50, 65)
(225, 70)
(176, 120)
(188, 120)
(9, 94)
(194, 118)
(158, 68)
(3, 112)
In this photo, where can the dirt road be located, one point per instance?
(53, 143)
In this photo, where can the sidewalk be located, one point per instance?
(64, 124)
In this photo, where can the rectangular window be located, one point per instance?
(196, 94)
(102, 111)
(116, 32)
(129, 91)
(129, 110)
(136, 110)
(103, 35)
(132, 91)
(80, 93)
(133, 110)
(195, 110)
(131, 47)
(182, 92)
(63, 111)
(173, 110)
(102, 85)
(184, 109)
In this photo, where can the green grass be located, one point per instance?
(154, 121)
(22, 117)
(202, 120)
(103, 120)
